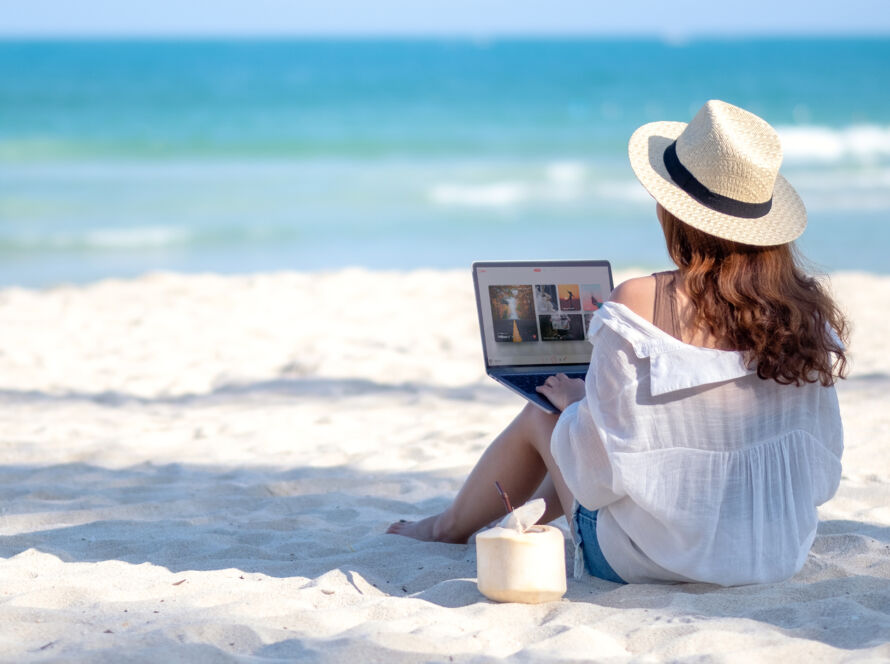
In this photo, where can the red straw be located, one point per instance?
(504, 496)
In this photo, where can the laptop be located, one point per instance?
(534, 317)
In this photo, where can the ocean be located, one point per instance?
(234, 156)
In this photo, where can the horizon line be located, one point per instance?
(666, 36)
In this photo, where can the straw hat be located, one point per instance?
(720, 174)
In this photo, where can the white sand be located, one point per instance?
(200, 468)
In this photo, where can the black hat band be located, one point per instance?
(717, 202)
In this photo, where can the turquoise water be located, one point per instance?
(120, 157)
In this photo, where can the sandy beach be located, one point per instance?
(201, 468)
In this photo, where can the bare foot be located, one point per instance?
(419, 530)
(426, 530)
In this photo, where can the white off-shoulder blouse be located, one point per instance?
(700, 470)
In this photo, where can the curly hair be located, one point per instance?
(759, 301)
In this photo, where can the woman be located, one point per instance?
(707, 430)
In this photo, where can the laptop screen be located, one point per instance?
(538, 312)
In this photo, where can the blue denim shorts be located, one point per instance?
(584, 524)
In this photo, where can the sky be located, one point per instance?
(472, 18)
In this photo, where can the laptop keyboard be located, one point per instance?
(528, 382)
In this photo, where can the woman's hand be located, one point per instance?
(562, 390)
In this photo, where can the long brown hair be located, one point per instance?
(759, 301)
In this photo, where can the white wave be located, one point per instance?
(566, 172)
(849, 188)
(851, 179)
(140, 237)
(495, 194)
(560, 181)
(629, 191)
(846, 202)
(862, 143)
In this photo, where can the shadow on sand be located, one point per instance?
(186, 517)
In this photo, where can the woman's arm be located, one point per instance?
(638, 295)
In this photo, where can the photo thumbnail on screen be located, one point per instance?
(592, 296)
(513, 313)
(546, 301)
(569, 297)
(561, 327)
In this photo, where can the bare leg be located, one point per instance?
(519, 458)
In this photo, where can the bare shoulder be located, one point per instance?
(638, 295)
